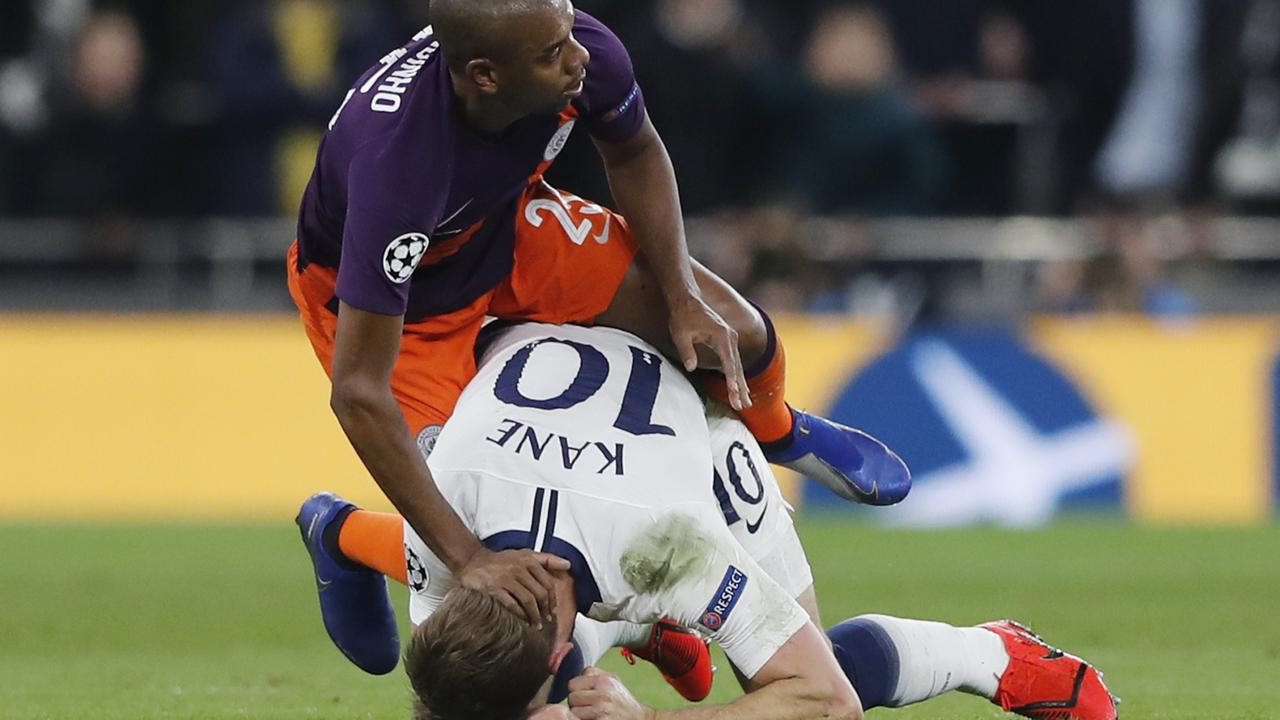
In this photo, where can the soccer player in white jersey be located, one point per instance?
(587, 444)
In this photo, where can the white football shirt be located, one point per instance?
(588, 444)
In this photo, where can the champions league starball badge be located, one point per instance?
(403, 255)
(418, 576)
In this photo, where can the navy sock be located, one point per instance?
(869, 659)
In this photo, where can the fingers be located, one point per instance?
(520, 580)
(589, 711)
(527, 602)
(553, 712)
(726, 347)
(585, 699)
(587, 679)
(688, 355)
(543, 599)
(597, 695)
(510, 603)
(543, 583)
(553, 562)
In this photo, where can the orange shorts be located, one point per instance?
(570, 258)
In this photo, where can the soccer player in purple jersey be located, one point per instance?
(427, 212)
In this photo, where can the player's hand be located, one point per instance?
(520, 579)
(598, 695)
(694, 323)
(553, 712)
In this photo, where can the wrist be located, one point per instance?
(464, 558)
(682, 296)
(459, 551)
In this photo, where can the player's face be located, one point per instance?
(550, 66)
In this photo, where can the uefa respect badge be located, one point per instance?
(731, 588)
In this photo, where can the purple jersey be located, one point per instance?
(400, 173)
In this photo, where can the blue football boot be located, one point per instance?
(353, 600)
(853, 464)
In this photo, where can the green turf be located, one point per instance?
(153, 622)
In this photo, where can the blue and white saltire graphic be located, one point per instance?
(992, 432)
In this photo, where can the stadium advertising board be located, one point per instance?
(224, 418)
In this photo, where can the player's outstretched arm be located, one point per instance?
(801, 682)
(365, 353)
(644, 185)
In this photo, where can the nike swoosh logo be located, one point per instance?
(455, 214)
(603, 237)
(311, 529)
(759, 521)
(853, 488)
(321, 584)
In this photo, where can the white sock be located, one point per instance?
(936, 658)
(595, 639)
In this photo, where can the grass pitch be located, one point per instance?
(124, 622)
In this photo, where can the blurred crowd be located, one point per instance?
(771, 110)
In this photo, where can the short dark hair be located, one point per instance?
(474, 658)
(469, 29)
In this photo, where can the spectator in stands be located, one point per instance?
(93, 150)
(859, 144)
(278, 71)
(704, 116)
(1131, 275)
(968, 65)
(1149, 90)
(1248, 169)
(18, 96)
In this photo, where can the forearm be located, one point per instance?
(644, 187)
(377, 430)
(782, 700)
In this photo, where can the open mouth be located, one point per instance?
(576, 89)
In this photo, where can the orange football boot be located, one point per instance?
(1045, 683)
(681, 655)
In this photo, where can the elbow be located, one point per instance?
(846, 708)
(828, 700)
(351, 400)
(840, 700)
(843, 700)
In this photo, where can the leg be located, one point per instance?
(894, 662)
(853, 464)
(351, 551)
(639, 308)
(353, 599)
(559, 277)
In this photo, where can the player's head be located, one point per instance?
(521, 53)
(473, 658)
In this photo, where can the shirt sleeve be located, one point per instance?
(613, 104)
(429, 578)
(385, 236)
(722, 592)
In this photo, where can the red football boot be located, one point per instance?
(682, 656)
(1045, 683)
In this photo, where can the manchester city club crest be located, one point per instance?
(561, 138)
(427, 439)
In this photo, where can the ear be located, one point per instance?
(558, 654)
(484, 73)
